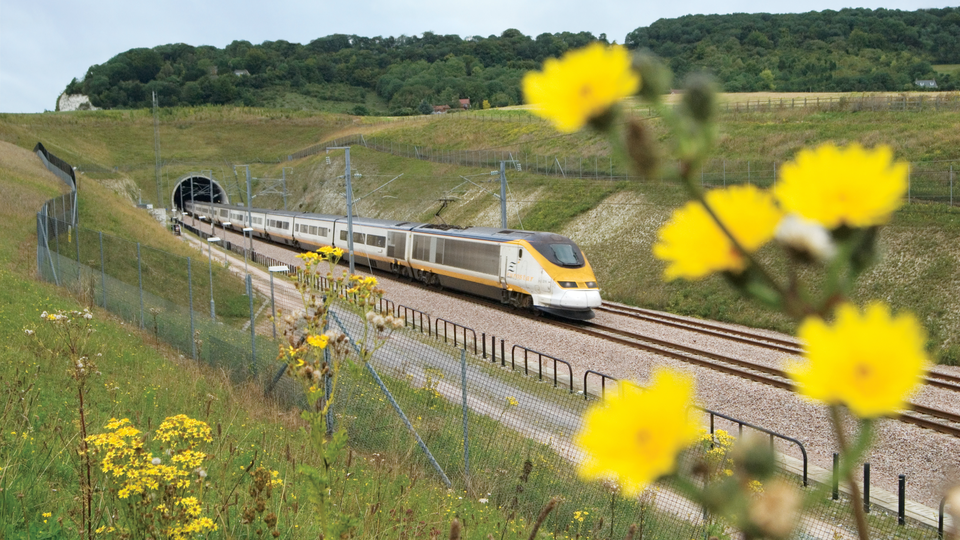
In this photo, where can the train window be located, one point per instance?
(421, 247)
(313, 230)
(565, 254)
(396, 244)
(343, 235)
(358, 238)
(376, 240)
(468, 255)
(323, 231)
(438, 252)
(285, 225)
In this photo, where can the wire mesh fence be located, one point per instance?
(498, 424)
(932, 182)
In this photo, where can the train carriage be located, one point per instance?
(533, 270)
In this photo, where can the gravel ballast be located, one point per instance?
(930, 460)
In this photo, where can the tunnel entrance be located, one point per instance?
(197, 187)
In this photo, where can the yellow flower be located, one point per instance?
(871, 362)
(318, 341)
(693, 244)
(581, 86)
(635, 436)
(843, 186)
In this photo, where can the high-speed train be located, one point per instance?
(534, 270)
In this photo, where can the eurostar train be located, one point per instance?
(531, 270)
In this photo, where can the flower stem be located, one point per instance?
(858, 514)
(792, 299)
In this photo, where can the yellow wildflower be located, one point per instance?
(843, 186)
(581, 86)
(871, 362)
(693, 244)
(318, 341)
(635, 436)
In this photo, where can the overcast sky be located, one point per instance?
(45, 43)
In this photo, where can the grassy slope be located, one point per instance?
(146, 383)
(134, 380)
(615, 223)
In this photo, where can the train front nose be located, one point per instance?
(573, 299)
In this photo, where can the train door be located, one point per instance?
(509, 258)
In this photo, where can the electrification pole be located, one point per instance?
(346, 176)
(156, 149)
(503, 194)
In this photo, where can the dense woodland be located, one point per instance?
(847, 50)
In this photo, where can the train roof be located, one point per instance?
(495, 234)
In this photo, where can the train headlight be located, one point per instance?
(591, 284)
(568, 284)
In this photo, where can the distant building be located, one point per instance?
(925, 83)
(440, 109)
(465, 103)
(240, 72)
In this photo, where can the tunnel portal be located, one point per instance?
(197, 187)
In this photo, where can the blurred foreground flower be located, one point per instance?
(581, 86)
(871, 362)
(635, 436)
(843, 186)
(693, 244)
(806, 238)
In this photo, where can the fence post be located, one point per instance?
(466, 439)
(901, 500)
(866, 487)
(79, 279)
(103, 274)
(193, 342)
(140, 283)
(836, 474)
(56, 234)
(951, 185)
(253, 330)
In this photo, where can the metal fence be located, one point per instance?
(930, 181)
(493, 428)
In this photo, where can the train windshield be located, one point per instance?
(565, 254)
(559, 250)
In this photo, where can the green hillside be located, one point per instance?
(615, 222)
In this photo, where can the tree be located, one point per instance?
(424, 107)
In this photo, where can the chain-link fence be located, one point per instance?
(932, 181)
(491, 423)
(498, 425)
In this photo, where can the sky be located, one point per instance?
(46, 43)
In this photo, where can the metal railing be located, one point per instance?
(456, 327)
(540, 357)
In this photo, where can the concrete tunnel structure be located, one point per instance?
(198, 187)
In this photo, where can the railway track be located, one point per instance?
(757, 339)
(926, 417)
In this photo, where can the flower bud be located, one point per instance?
(640, 145)
(774, 512)
(700, 97)
(655, 76)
